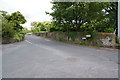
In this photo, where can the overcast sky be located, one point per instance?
(33, 10)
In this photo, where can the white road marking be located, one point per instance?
(28, 41)
(98, 50)
(57, 52)
(47, 40)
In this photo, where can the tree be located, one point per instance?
(95, 16)
(11, 23)
(7, 28)
(41, 26)
(34, 24)
(17, 18)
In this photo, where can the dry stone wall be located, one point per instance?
(100, 39)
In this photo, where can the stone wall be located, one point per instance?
(100, 39)
(106, 39)
(7, 41)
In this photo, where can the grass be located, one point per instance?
(84, 43)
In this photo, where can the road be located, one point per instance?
(38, 57)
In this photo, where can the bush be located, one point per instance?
(19, 36)
(93, 35)
(109, 30)
(117, 40)
(7, 29)
(61, 39)
(72, 35)
(25, 31)
(54, 29)
(84, 43)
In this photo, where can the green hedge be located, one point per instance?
(19, 37)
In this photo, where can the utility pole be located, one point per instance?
(116, 20)
(119, 18)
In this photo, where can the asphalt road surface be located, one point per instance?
(38, 57)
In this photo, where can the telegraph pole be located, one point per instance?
(119, 18)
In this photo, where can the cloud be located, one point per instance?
(33, 10)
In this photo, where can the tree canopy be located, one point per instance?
(85, 16)
(41, 26)
(11, 23)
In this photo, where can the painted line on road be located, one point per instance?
(57, 52)
(32, 43)
(98, 50)
(28, 41)
(47, 40)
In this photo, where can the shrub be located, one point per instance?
(93, 35)
(19, 36)
(24, 31)
(117, 40)
(7, 29)
(54, 30)
(109, 30)
(61, 39)
(84, 43)
(72, 35)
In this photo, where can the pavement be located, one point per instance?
(37, 57)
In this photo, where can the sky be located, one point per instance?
(33, 10)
